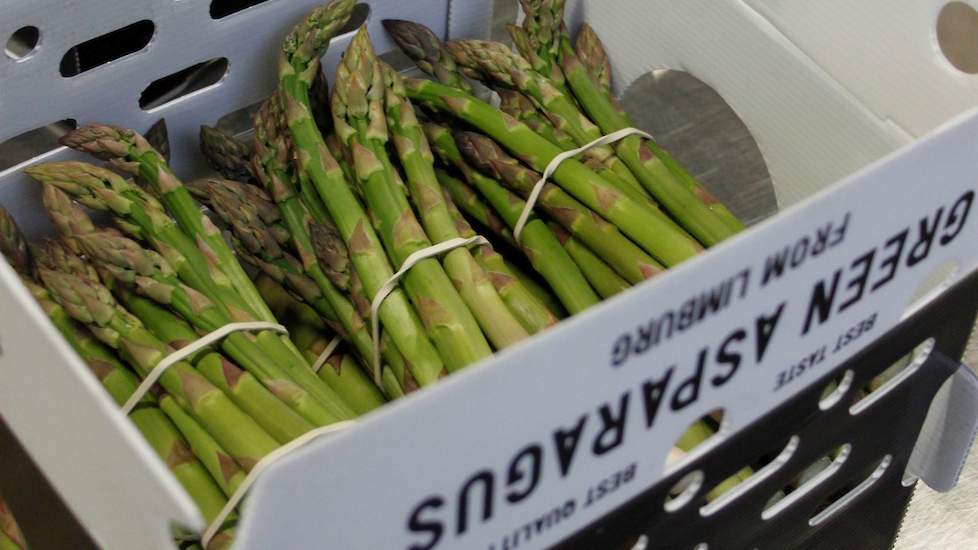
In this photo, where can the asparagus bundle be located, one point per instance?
(202, 467)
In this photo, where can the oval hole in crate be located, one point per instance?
(22, 43)
(957, 35)
(837, 502)
(224, 8)
(32, 143)
(183, 83)
(891, 377)
(835, 390)
(748, 477)
(809, 478)
(683, 491)
(107, 48)
(694, 437)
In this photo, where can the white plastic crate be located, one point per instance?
(828, 89)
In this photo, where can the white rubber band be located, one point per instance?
(326, 354)
(260, 467)
(191, 349)
(391, 284)
(531, 202)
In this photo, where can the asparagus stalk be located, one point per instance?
(272, 169)
(542, 293)
(601, 276)
(531, 312)
(304, 316)
(425, 49)
(628, 260)
(341, 371)
(695, 207)
(654, 232)
(301, 49)
(226, 154)
(468, 200)
(222, 468)
(539, 244)
(478, 292)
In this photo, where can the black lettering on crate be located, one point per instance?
(877, 267)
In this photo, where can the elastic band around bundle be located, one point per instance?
(391, 284)
(191, 349)
(260, 467)
(531, 202)
(326, 354)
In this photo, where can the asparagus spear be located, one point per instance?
(13, 245)
(539, 244)
(341, 371)
(590, 50)
(539, 38)
(656, 234)
(695, 207)
(226, 154)
(301, 49)
(426, 50)
(467, 199)
(531, 312)
(604, 238)
(498, 323)
(536, 288)
(272, 169)
(601, 276)
(159, 137)
(520, 107)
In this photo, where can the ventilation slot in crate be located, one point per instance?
(183, 83)
(107, 48)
